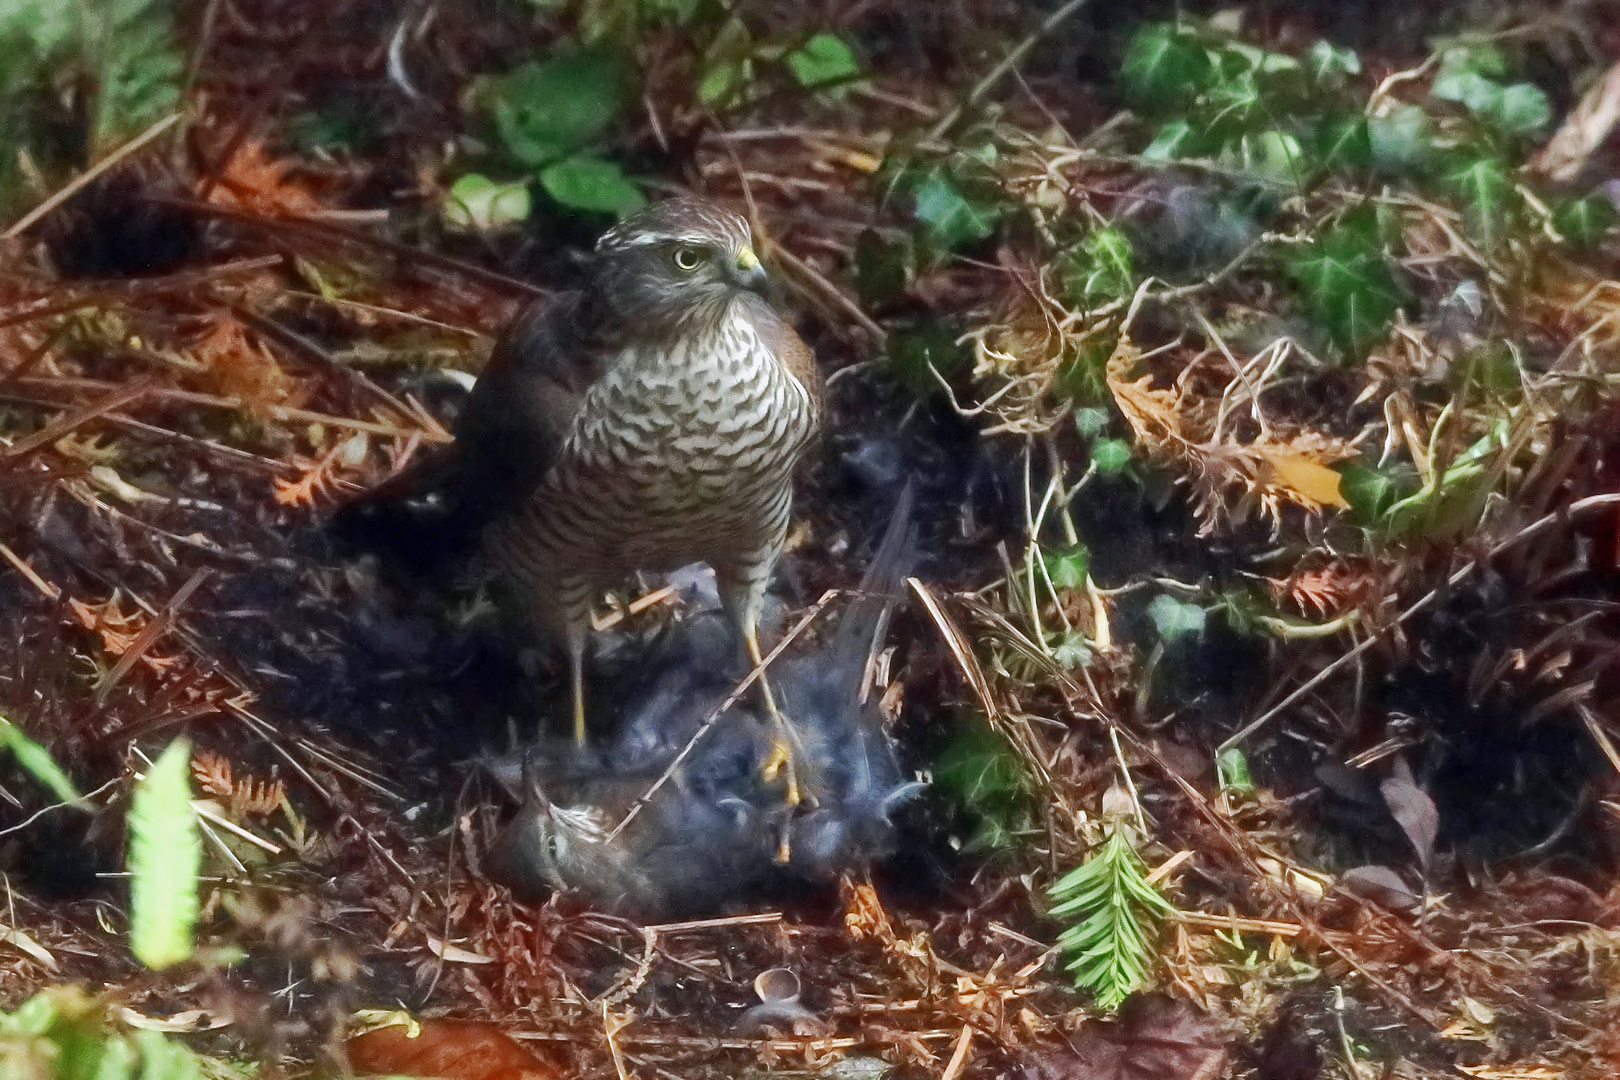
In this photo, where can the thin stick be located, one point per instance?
(720, 709)
(89, 175)
(281, 413)
(51, 592)
(156, 628)
(964, 1042)
(65, 425)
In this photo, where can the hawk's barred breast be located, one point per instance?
(679, 454)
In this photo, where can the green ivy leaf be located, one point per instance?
(825, 58)
(1111, 456)
(1401, 140)
(1173, 618)
(37, 762)
(1104, 270)
(165, 856)
(1371, 491)
(980, 772)
(545, 110)
(1344, 143)
(1067, 568)
(916, 353)
(1171, 141)
(591, 184)
(1331, 67)
(950, 217)
(1481, 96)
(1273, 155)
(1523, 109)
(1489, 201)
(1165, 66)
(1348, 286)
(477, 202)
(1584, 222)
(1233, 769)
(1090, 421)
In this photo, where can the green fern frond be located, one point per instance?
(165, 856)
(1112, 945)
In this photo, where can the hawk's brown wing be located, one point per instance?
(526, 398)
(786, 345)
(507, 435)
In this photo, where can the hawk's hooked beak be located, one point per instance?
(748, 272)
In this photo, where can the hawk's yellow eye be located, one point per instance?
(687, 258)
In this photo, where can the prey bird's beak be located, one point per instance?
(748, 272)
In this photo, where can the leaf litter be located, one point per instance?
(1348, 527)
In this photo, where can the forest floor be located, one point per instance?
(1257, 376)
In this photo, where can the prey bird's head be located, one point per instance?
(677, 260)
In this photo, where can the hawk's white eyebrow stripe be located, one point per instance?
(644, 240)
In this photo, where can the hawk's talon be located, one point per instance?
(774, 763)
(782, 754)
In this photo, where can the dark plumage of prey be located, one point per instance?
(650, 420)
(716, 833)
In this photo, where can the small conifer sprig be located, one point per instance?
(1112, 944)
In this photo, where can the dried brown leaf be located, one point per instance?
(1585, 129)
(447, 1049)
(1416, 814)
(1156, 1038)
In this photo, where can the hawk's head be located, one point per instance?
(675, 261)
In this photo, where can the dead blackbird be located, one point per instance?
(715, 832)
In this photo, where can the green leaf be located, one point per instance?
(1330, 66)
(1111, 456)
(1164, 66)
(1371, 491)
(1072, 651)
(1171, 141)
(37, 762)
(1489, 201)
(1584, 222)
(1523, 109)
(1233, 769)
(1117, 912)
(1272, 155)
(949, 217)
(1090, 421)
(982, 774)
(728, 64)
(1067, 568)
(1102, 270)
(916, 353)
(1347, 284)
(1344, 142)
(1479, 95)
(722, 80)
(165, 1059)
(1401, 140)
(477, 202)
(825, 58)
(165, 856)
(547, 109)
(591, 184)
(1173, 618)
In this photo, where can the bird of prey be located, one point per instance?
(714, 832)
(649, 420)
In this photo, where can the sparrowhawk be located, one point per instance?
(649, 420)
